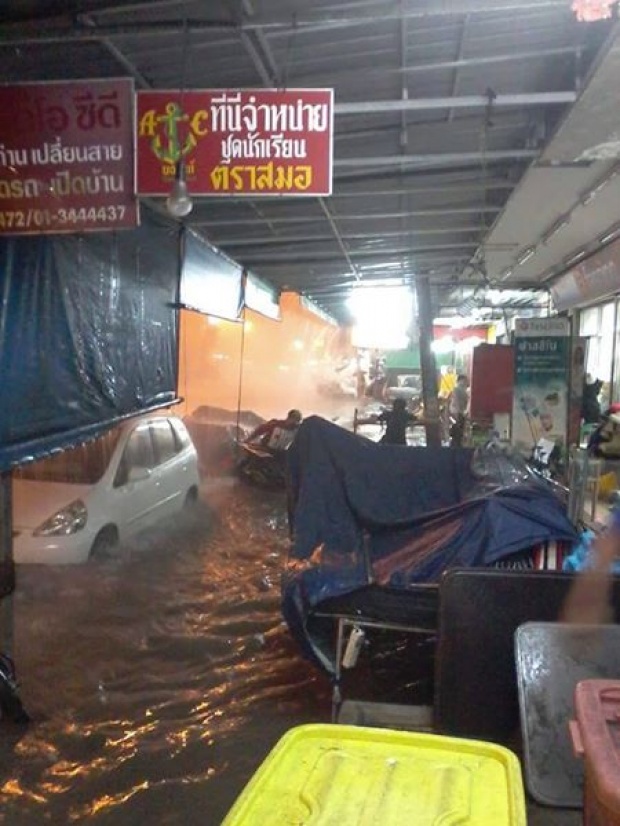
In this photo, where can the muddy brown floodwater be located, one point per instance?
(157, 680)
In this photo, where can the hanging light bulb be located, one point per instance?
(179, 202)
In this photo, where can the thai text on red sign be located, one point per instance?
(66, 157)
(252, 142)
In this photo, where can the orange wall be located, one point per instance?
(284, 362)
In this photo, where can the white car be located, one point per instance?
(81, 502)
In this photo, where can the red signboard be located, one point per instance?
(593, 280)
(66, 157)
(253, 142)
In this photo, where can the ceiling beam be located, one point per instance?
(347, 236)
(480, 186)
(460, 102)
(497, 307)
(370, 216)
(293, 259)
(326, 271)
(294, 277)
(443, 159)
(283, 274)
(252, 50)
(400, 176)
(459, 58)
(457, 187)
(300, 22)
(444, 286)
(421, 8)
(139, 5)
(471, 62)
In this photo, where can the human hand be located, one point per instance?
(606, 548)
(589, 599)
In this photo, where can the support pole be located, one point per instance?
(427, 363)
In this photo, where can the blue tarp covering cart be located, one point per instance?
(375, 520)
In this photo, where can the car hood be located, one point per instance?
(34, 502)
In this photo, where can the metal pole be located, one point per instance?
(241, 363)
(427, 363)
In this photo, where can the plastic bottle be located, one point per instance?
(354, 646)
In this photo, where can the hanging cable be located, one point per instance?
(289, 51)
(240, 389)
(184, 57)
(483, 148)
(179, 202)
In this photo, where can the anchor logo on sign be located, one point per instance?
(174, 134)
(173, 150)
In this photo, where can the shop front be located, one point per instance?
(590, 292)
(598, 324)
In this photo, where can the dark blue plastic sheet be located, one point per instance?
(88, 334)
(397, 517)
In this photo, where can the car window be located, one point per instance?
(82, 465)
(166, 445)
(138, 453)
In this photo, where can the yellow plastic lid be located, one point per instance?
(329, 775)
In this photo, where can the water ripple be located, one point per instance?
(157, 680)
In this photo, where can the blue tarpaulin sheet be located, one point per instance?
(394, 516)
(88, 334)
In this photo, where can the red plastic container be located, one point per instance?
(596, 737)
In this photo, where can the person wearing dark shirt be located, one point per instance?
(590, 405)
(397, 420)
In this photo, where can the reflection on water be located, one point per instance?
(157, 681)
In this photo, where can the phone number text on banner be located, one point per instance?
(254, 142)
(66, 157)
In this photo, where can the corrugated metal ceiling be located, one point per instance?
(414, 191)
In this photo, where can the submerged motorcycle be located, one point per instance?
(261, 466)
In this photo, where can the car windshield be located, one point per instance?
(83, 465)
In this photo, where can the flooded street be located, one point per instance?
(157, 681)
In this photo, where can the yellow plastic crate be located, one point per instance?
(329, 775)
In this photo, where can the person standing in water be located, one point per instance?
(397, 420)
(458, 406)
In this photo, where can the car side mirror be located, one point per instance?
(138, 474)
